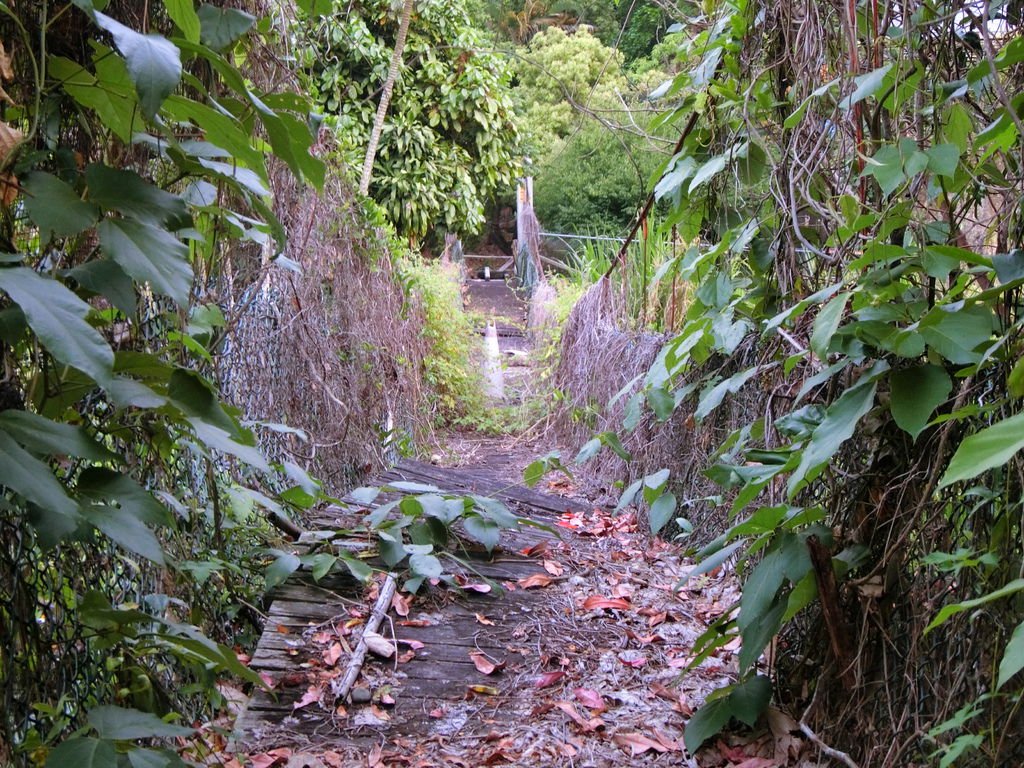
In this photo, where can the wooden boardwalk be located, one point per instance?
(433, 689)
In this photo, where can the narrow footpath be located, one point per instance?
(565, 646)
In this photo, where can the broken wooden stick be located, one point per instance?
(355, 664)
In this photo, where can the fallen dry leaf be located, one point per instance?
(268, 679)
(414, 644)
(536, 580)
(757, 762)
(6, 70)
(482, 588)
(554, 567)
(632, 658)
(271, 758)
(595, 602)
(484, 665)
(332, 654)
(415, 623)
(591, 699)
(486, 690)
(638, 743)
(400, 604)
(437, 712)
(588, 726)
(548, 679)
(311, 695)
(483, 620)
(535, 549)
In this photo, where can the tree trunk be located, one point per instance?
(385, 99)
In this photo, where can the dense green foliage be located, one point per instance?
(859, 228)
(587, 131)
(133, 504)
(449, 142)
(450, 371)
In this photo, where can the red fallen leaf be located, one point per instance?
(535, 549)
(644, 639)
(758, 762)
(548, 679)
(484, 665)
(481, 588)
(483, 620)
(654, 619)
(244, 658)
(283, 629)
(414, 623)
(595, 602)
(311, 695)
(638, 743)
(622, 590)
(554, 567)
(588, 726)
(666, 741)
(387, 699)
(400, 603)
(414, 644)
(536, 580)
(662, 691)
(268, 680)
(632, 658)
(437, 712)
(332, 654)
(271, 758)
(590, 699)
(322, 638)
(406, 657)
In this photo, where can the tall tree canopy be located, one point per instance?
(450, 142)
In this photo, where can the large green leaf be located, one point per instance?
(836, 428)
(116, 107)
(51, 438)
(149, 254)
(914, 395)
(121, 724)
(984, 450)
(1013, 657)
(661, 511)
(121, 526)
(183, 13)
(826, 324)
(706, 722)
(83, 752)
(128, 193)
(483, 530)
(106, 278)
(107, 485)
(957, 332)
(750, 698)
(26, 475)
(55, 207)
(154, 63)
(1015, 586)
(867, 85)
(58, 318)
(221, 27)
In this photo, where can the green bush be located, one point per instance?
(449, 370)
(595, 185)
